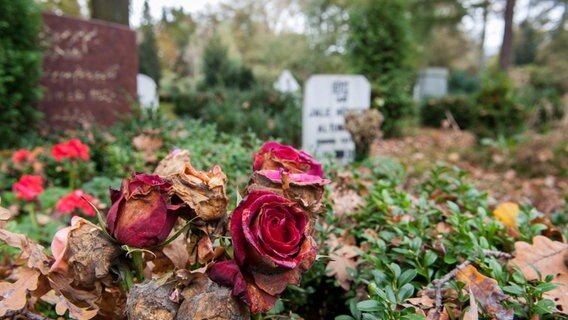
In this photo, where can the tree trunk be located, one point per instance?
(483, 32)
(506, 47)
(116, 11)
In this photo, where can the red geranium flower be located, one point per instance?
(71, 149)
(28, 187)
(21, 156)
(74, 201)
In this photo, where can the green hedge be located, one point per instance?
(262, 110)
(20, 67)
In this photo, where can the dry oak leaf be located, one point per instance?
(32, 252)
(15, 295)
(546, 257)
(342, 258)
(76, 312)
(486, 291)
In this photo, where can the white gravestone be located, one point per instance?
(147, 92)
(326, 100)
(286, 83)
(432, 83)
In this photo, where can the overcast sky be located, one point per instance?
(473, 26)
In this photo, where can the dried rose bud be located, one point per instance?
(140, 215)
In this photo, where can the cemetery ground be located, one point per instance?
(432, 225)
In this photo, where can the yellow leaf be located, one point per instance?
(507, 214)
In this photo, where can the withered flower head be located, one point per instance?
(141, 215)
(203, 192)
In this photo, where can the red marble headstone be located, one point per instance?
(89, 71)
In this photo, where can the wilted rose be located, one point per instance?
(203, 192)
(272, 246)
(74, 201)
(140, 215)
(72, 149)
(305, 189)
(274, 156)
(28, 187)
(83, 252)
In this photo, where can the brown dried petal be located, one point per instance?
(173, 163)
(203, 192)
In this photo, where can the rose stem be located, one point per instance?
(128, 282)
(33, 216)
(138, 264)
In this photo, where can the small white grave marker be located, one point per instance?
(286, 83)
(327, 98)
(147, 92)
(432, 83)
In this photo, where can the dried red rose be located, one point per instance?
(74, 201)
(72, 149)
(140, 215)
(28, 187)
(274, 156)
(272, 246)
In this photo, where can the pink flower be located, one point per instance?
(28, 187)
(21, 156)
(274, 156)
(272, 246)
(72, 149)
(74, 200)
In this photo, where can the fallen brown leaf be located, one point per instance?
(546, 257)
(486, 291)
(32, 253)
(342, 258)
(76, 312)
(15, 295)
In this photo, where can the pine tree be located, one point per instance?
(380, 47)
(149, 63)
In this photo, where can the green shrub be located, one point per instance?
(498, 112)
(542, 97)
(221, 71)
(461, 108)
(262, 110)
(20, 63)
(461, 82)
